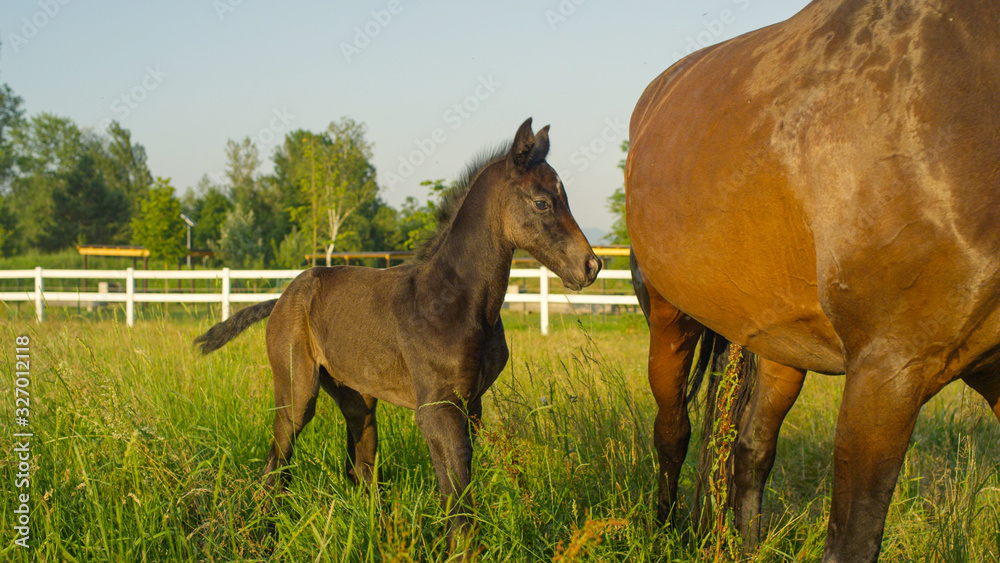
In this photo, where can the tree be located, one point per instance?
(619, 230)
(294, 177)
(240, 245)
(263, 195)
(89, 211)
(125, 166)
(242, 162)
(417, 223)
(378, 226)
(207, 206)
(11, 116)
(46, 150)
(8, 223)
(159, 226)
(335, 179)
(616, 204)
(293, 249)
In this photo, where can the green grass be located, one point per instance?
(144, 451)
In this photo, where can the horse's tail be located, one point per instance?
(223, 332)
(711, 359)
(737, 415)
(711, 351)
(638, 283)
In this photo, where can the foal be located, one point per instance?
(425, 335)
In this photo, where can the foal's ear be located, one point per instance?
(529, 149)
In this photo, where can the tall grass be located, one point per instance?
(144, 451)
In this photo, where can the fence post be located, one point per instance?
(225, 293)
(543, 290)
(130, 297)
(39, 288)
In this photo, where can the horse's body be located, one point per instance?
(427, 334)
(826, 192)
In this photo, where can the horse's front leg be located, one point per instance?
(444, 392)
(445, 425)
(876, 420)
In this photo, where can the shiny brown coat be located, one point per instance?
(826, 191)
(425, 335)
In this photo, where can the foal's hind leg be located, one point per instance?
(362, 428)
(296, 385)
(672, 339)
(775, 391)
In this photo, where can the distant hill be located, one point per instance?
(594, 235)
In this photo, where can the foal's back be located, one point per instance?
(347, 320)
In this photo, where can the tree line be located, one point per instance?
(63, 185)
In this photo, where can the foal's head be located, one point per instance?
(535, 212)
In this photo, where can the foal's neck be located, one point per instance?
(473, 262)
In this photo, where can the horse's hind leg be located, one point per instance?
(362, 428)
(672, 339)
(775, 389)
(296, 385)
(987, 384)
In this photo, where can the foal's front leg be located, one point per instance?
(444, 422)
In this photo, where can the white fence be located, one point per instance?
(226, 297)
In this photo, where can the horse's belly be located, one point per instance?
(741, 263)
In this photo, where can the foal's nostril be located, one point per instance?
(593, 266)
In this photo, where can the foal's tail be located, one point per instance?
(223, 332)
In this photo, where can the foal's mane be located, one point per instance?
(453, 197)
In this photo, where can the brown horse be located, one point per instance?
(427, 334)
(826, 192)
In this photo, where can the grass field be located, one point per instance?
(143, 451)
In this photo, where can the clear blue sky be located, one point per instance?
(186, 75)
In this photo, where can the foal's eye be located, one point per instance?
(541, 205)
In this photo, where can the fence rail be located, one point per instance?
(129, 296)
